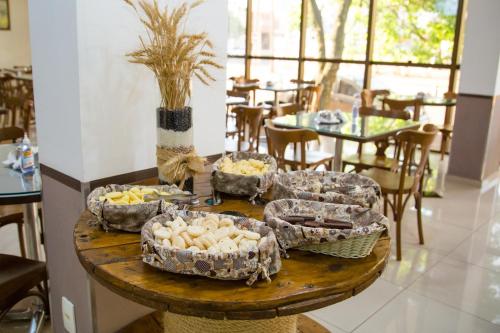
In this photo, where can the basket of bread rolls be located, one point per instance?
(212, 245)
(348, 231)
(244, 174)
(327, 186)
(128, 207)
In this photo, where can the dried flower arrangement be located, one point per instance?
(173, 55)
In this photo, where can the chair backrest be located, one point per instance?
(11, 134)
(396, 104)
(368, 96)
(310, 98)
(251, 117)
(407, 143)
(278, 139)
(288, 108)
(395, 114)
(303, 81)
(243, 80)
(234, 93)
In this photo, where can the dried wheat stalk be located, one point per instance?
(173, 55)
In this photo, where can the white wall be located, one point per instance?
(480, 58)
(15, 43)
(118, 99)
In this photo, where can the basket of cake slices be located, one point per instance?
(348, 231)
(327, 186)
(212, 245)
(128, 207)
(244, 174)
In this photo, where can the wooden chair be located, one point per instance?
(247, 117)
(289, 109)
(241, 84)
(311, 98)
(394, 104)
(233, 93)
(11, 133)
(278, 141)
(401, 181)
(447, 128)
(368, 96)
(362, 161)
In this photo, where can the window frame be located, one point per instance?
(368, 62)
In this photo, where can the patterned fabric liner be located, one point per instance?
(365, 221)
(225, 266)
(129, 218)
(252, 186)
(327, 186)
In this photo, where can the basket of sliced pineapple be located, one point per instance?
(128, 207)
(244, 174)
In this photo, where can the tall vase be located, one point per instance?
(174, 142)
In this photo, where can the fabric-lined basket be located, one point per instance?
(244, 185)
(129, 218)
(237, 265)
(358, 242)
(327, 186)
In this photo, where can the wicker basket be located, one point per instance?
(243, 185)
(225, 266)
(327, 186)
(357, 242)
(129, 218)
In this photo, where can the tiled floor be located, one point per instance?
(450, 284)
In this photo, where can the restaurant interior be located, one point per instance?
(246, 166)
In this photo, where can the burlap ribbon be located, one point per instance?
(177, 165)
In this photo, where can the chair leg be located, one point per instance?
(21, 239)
(418, 206)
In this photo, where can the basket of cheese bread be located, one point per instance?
(348, 231)
(128, 207)
(244, 174)
(212, 245)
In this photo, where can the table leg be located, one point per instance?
(337, 162)
(31, 232)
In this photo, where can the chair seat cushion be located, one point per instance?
(388, 181)
(370, 160)
(313, 157)
(17, 276)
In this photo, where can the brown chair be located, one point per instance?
(368, 96)
(288, 109)
(278, 140)
(401, 181)
(447, 128)
(362, 161)
(233, 93)
(11, 134)
(310, 98)
(247, 117)
(395, 104)
(250, 86)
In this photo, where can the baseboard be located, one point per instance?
(484, 184)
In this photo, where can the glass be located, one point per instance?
(342, 80)
(236, 42)
(365, 128)
(327, 18)
(276, 28)
(415, 31)
(13, 182)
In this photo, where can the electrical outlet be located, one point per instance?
(68, 311)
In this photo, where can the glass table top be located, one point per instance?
(14, 183)
(361, 129)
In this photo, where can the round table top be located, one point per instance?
(16, 188)
(306, 281)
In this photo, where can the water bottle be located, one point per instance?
(27, 158)
(356, 105)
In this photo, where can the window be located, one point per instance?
(276, 28)
(407, 46)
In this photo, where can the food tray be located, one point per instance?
(129, 218)
(357, 242)
(244, 185)
(225, 266)
(327, 186)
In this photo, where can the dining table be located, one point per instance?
(17, 188)
(359, 128)
(190, 303)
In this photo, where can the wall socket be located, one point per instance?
(68, 312)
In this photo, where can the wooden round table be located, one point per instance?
(306, 281)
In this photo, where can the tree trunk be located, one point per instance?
(328, 71)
